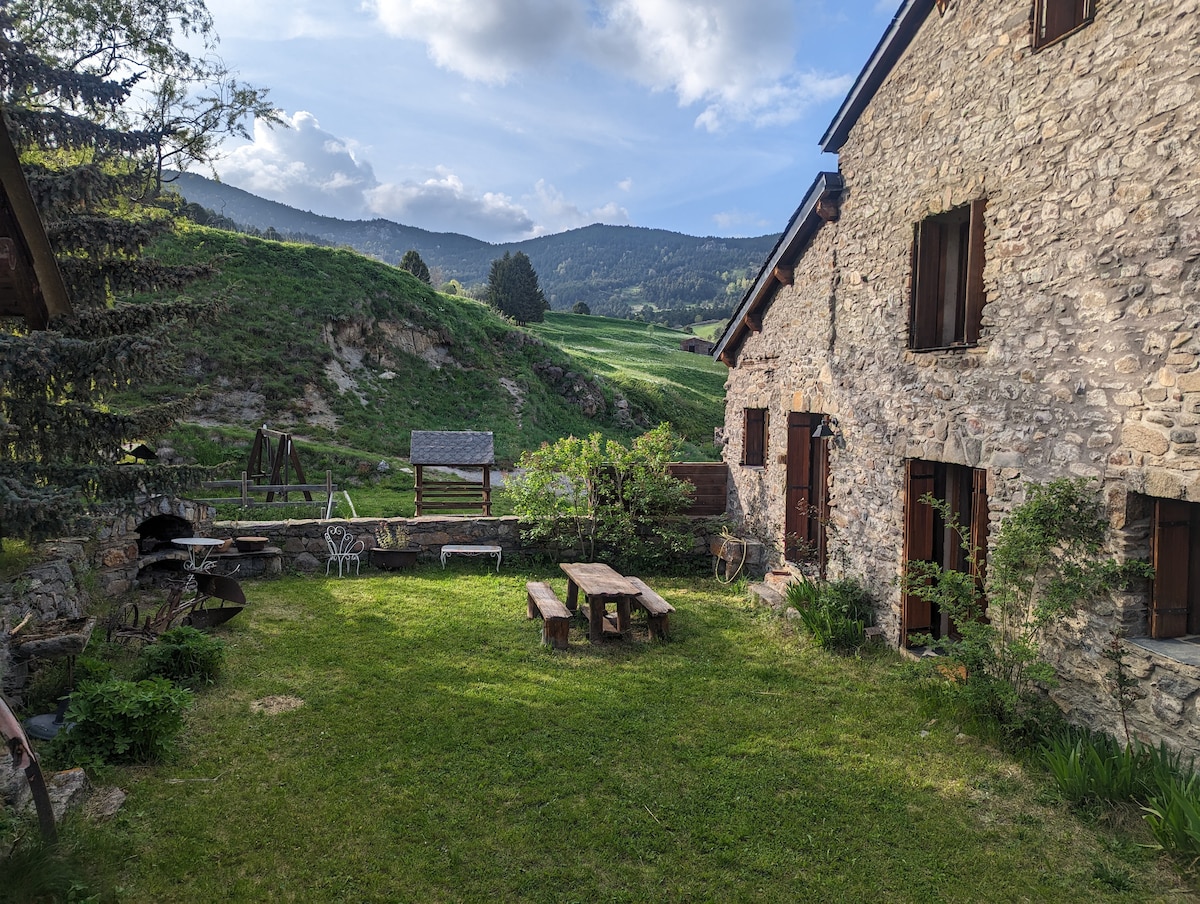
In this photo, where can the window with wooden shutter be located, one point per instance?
(1054, 19)
(754, 446)
(1174, 606)
(946, 303)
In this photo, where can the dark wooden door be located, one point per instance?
(806, 503)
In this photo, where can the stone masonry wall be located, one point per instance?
(1087, 154)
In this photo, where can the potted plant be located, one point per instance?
(393, 547)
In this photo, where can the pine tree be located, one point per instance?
(513, 289)
(90, 174)
(413, 264)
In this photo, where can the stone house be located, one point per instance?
(1000, 285)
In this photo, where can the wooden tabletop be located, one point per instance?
(597, 579)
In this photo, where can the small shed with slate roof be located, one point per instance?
(467, 449)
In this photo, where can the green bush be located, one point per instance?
(835, 614)
(184, 655)
(120, 721)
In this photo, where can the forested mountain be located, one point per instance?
(617, 270)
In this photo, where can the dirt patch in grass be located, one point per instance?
(280, 703)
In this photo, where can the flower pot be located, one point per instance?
(394, 559)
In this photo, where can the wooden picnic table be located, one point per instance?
(600, 584)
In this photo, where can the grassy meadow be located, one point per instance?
(418, 744)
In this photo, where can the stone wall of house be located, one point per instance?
(1087, 154)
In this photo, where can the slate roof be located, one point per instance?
(457, 448)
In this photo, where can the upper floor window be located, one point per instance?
(947, 280)
(754, 445)
(1054, 19)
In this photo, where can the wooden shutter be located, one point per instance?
(1058, 17)
(754, 446)
(799, 478)
(1169, 603)
(975, 261)
(979, 524)
(917, 614)
(926, 297)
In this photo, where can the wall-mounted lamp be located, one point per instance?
(828, 428)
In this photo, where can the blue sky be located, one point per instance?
(507, 119)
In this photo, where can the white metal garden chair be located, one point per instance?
(344, 548)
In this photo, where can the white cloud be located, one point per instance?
(444, 204)
(626, 184)
(556, 214)
(283, 20)
(302, 165)
(485, 40)
(735, 58)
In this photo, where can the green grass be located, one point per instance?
(442, 754)
(686, 389)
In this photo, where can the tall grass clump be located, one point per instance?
(1173, 815)
(835, 614)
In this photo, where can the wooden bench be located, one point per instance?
(556, 618)
(656, 608)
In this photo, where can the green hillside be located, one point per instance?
(346, 350)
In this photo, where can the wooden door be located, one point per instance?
(917, 613)
(805, 502)
(1172, 555)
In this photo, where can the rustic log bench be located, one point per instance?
(656, 608)
(556, 618)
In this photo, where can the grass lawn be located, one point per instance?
(442, 754)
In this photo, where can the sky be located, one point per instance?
(510, 119)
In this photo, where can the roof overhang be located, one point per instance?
(31, 285)
(891, 47)
(818, 207)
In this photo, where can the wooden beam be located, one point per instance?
(784, 274)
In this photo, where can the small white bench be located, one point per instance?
(461, 549)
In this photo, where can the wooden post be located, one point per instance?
(245, 492)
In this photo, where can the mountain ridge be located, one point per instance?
(620, 271)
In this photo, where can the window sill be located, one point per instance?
(1035, 46)
(957, 347)
(752, 467)
(1185, 650)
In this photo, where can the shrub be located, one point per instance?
(596, 497)
(1048, 559)
(835, 614)
(120, 721)
(184, 655)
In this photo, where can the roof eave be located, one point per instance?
(800, 229)
(891, 47)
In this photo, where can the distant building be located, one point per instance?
(697, 346)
